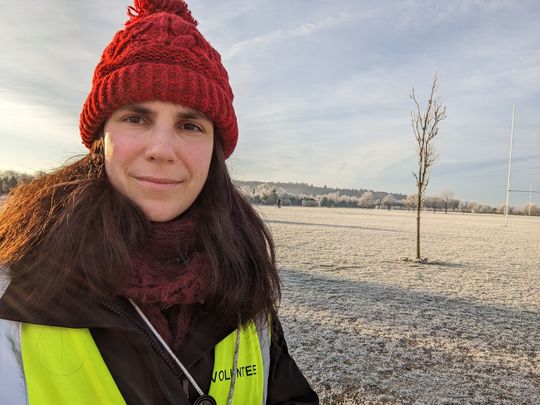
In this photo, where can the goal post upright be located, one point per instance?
(509, 167)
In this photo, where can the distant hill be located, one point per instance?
(310, 189)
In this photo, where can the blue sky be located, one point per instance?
(321, 87)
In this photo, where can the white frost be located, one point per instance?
(366, 326)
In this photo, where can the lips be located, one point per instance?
(157, 180)
(157, 183)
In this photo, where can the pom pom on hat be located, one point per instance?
(143, 8)
(160, 55)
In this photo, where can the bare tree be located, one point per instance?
(433, 203)
(531, 209)
(367, 200)
(425, 125)
(447, 197)
(389, 201)
(410, 201)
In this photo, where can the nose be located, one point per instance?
(160, 145)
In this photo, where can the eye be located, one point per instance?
(189, 126)
(134, 119)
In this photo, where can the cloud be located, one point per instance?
(304, 30)
(221, 16)
(35, 136)
(421, 15)
(321, 94)
(50, 58)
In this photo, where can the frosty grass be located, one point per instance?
(367, 326)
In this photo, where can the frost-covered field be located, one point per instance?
(368, 327)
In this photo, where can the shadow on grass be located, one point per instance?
(336, 226)
(405, 346)
(315, 287)
(426, 262)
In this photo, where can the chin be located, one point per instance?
(161, 216)
(154, 214)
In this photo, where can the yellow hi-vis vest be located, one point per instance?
(63, 366)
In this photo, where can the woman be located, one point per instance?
(139, 274)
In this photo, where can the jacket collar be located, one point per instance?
(67, 310)
(72, 311)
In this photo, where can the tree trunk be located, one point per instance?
(418, 209)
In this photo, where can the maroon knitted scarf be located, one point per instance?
(169, 275)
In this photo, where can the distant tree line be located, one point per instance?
(270, 194)
(9, 179)
(311, 190)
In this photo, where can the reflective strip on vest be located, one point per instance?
(265, 336)
(54, 365)
(252, 368)
(12, 382)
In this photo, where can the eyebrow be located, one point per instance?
(189, 114)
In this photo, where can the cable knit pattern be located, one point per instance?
(168, 276)
(160, 55)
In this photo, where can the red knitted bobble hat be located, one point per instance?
(160, 55)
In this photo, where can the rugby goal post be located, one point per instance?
(508, 190)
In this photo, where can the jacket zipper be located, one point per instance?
(147, 336)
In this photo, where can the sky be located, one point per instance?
(321, 88)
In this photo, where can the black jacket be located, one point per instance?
(142, 370)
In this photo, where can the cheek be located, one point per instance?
(118, 156)
(108, 152)
(199, 159)
(119, 150)
(112, 172)
(108, 146)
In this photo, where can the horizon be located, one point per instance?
(427, 195)
(321, 90)
(330, 187)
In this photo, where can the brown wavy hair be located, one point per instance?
(71, 229)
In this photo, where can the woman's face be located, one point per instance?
(158, 154)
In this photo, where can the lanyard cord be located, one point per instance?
(182, 367)
(235, 365)
(166, 346)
